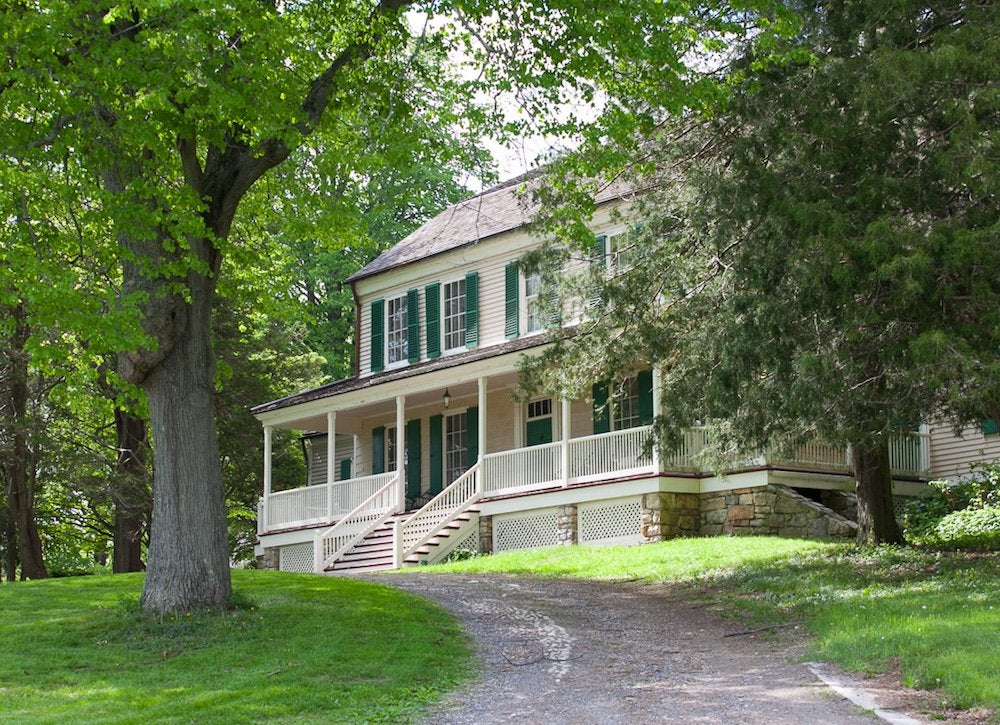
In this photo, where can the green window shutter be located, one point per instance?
(345, 469)
(989, 427)
(378, 450)
(472, 309)
(436, 453)
(413, 458)
(512, 321)
(599, 262)
(432, 313)
(378, 335)
(645, 384)
(602, 412)
(471, 436)
(412, 326)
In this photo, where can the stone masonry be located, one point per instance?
(773, 510)
(485, 534)
(566, 525)
(270, 559)
(669, 516)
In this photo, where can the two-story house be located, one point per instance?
(425, 450)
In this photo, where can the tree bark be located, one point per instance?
(20, 497)
(873, 486)
(188, 551)
(9, 536)
(131, 495)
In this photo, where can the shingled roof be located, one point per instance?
(496, 210)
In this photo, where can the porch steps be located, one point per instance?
(450, 533)
(372, 553)
(375, 553)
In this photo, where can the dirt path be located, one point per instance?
(582, 652)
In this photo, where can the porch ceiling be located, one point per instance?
(353, 416)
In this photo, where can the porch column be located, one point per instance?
(401, 450)
(565, 442)
(267, 472)
(331, 453)
(482, 417)
(656, 414)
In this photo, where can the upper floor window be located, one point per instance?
(396, 330)
(623, 249)
(535, 320)
(454, 314)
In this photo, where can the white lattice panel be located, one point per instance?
(610, 522)
(296, 557)
(525, 531)
(470, 542)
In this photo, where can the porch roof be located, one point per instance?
(347, 385)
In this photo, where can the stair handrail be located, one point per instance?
(359, 515)
(468, 490)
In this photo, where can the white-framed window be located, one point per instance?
(625, 406)
(540, 409)
(453, 304)
(456, 448)
(623, 249)
(390, 449)
(535, 318)
(396, 330)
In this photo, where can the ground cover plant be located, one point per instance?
(933, 614)
(294, 648)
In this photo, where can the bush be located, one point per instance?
(960, 514)
(971, 528)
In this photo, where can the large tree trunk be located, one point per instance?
(9, 536)
(130, 496)
(20, 497)
(188, 552)
(873, 485)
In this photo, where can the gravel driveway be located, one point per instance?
(582, 652)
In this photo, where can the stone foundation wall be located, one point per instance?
(485, 534)
(566, 525)
(270, 559)
(775, 510)
(669, 516)
(844, 503)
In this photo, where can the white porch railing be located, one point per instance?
(371, 513)
(910, 453)
(441, 510)
(522, 469)
(317, 504)
(619, 452)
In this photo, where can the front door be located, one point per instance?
(539, 432)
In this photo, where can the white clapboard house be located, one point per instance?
(424, 451)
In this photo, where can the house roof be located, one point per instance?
(502, 208)
(442, 363)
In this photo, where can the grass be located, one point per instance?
(935, 615)
(298, 648)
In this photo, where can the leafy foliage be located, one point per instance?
(958, 514)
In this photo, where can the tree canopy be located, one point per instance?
(820, 259)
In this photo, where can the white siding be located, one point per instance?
(951, 454)
(488, 258)
(316, 453)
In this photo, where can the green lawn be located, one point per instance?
(935, 614)
(299, 648)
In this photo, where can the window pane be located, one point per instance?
(626, 406)
(396, 330)
(454, 315)
(531, 285)
(455, 448)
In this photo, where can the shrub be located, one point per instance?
(948, 513)
(971, 528)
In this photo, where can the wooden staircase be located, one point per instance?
(375, 551)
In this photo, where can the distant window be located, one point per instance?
(396, 329)
(390, 449)
(623, 250)
(454, 315)
(532, 284)
(455, 445)
(625, 410)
